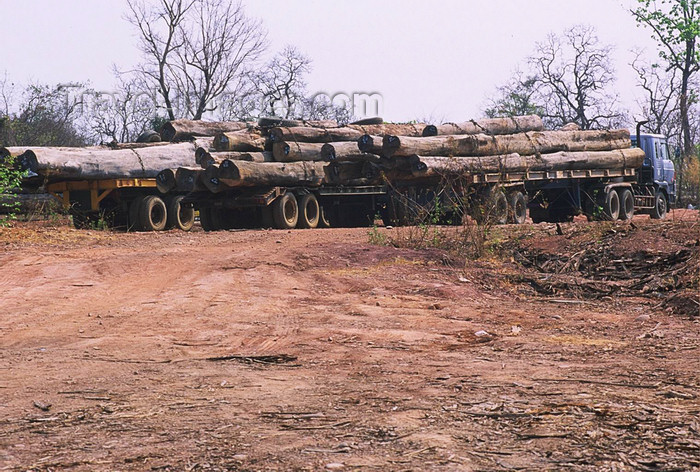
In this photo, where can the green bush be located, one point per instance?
(10, 181)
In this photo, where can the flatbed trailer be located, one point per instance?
(134, 204)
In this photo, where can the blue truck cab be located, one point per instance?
(656, 179)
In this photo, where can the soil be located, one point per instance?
(316, 350)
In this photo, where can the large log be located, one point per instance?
(166, 181)
(287, 151)
(240, 141)
(538, 142)
(340, 151)
(411, 129)
(285, 174)
(371, 144)
(104, 163)
(490, 126)
(314, 135)
(182, 179)
(187, 130)
(276, 122)
(353, 173)
(345, 133)
(205, 158)
(189, 179)
(439, 166)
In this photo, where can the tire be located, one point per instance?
(517, 208)
(266, 219)
(611, 205)
(323, 220)
(206, 220)
(153, 214)
(134, 221)
(539, 214)
(309, 211)
(498, 208)
(660, 206)
(285, 211)
(626, 204)
(178, 216)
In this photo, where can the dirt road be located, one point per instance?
(314, 350)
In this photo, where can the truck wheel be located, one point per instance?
(498, 208)
(323, 221)
(611, 205)
(179, 216)
(517, 208)
(266, 219)
(660, 206)
(153, 214)
(285, 211)
(205, 219)
(626, 204)
(309, 211)
(134, 223)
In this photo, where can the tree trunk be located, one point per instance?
(187, 130)
(314, 135)
(371, 144)
(283, 122)
(490, 126)
(437, 166)
(205, 158)
(353, 173)
(189, 179)
(413, 130)
(240, 141)
(103, 163)
(285, 174)
(166, 180)
(345, 133)
(287, 151)
(523, 143)
(339, 151)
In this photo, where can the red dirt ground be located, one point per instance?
(315, 350)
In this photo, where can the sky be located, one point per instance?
(437, 60)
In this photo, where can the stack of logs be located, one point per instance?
(323, 153)
(219, 156)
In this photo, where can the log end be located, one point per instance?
(365, 143)
(166, 181)
(430, 130)
(328, 153)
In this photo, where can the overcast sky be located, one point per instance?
(439, 59)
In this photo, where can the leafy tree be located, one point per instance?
(10, 181)
(46, 116)
(675, 24)
(516, 98)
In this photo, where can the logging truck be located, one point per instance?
(500, 197)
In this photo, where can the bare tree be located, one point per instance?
(661, 100)
(279, 89)
(574, 79)
(281, 83)
(196, 51)
(122, 115)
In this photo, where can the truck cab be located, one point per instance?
(658, 169)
